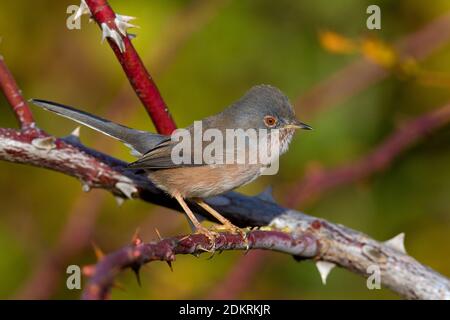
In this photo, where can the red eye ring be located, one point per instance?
(270, 121)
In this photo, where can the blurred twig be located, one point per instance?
(73, 238)
(319, 181)
(363, 73)
(240, 276)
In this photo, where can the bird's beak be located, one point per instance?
(296, 124)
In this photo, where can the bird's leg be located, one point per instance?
(198, 227)
(226, 224)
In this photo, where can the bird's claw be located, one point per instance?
(211, 235)
(231, 228)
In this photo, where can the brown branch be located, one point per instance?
(305, 238)
(135, 255)
(137, 74)
(319, 181)
(14, 97)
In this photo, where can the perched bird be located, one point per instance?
(263, 107)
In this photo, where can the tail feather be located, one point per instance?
(141, 141)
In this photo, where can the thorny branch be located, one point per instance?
(290, 231)
(102, 274)
(303, 237)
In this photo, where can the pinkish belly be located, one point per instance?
(203, 181)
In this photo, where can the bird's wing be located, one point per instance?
(164, 156)
(160, 158)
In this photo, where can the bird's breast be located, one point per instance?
(204, 181)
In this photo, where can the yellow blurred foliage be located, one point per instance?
(379, 52)
(336, 43)
(372, 48)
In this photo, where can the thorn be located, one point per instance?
(131, 36)
(127, 189)
(169, 263)
(158, 234)
(98, 252)
(74, 136)
(136, 240)
(136, 268)
(397, 242)
(324, 268)
(247, 248)
(46, 143)
(122, 23)
(266, 195)
(85, 187)
(125, 18)
(82, 9)
(114, 35)
(119, 200)
(210, 250)
(76, 132)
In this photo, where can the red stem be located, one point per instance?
(137, 74)
(14, 97)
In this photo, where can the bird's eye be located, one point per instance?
(270, 121)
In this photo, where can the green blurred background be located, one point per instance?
(204, 55)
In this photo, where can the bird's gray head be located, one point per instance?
(264, 107)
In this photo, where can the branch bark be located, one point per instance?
(132, 65)
(303, 236)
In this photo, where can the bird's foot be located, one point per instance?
(211, 235)
(231, 228)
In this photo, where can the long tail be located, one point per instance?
(141, 141)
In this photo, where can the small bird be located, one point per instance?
(262, 107)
